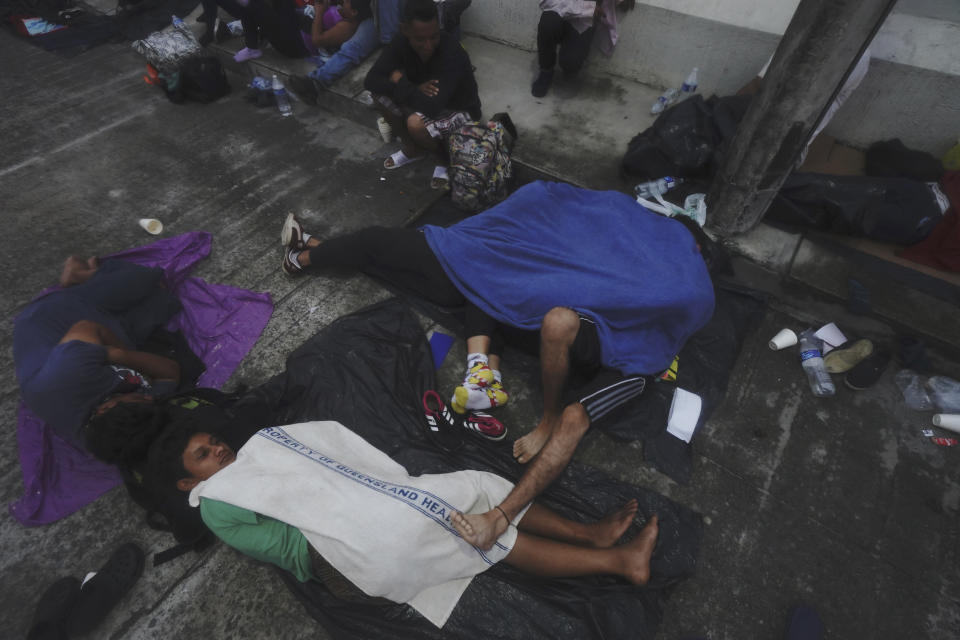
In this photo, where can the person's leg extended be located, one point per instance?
(482, 386)
(546, 523)
(553, 559)
(401, 256)
(549, 35)
(574, 48)
(557, 334)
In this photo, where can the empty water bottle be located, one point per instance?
(665, 100)
(280, 95)
(812, 361)
(650, 190)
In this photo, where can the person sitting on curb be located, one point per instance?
(423, 84)
(610, 290)
(75, 348)
(570, 26)
(279, 22)
(347, 492)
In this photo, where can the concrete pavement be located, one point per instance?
(839, 502)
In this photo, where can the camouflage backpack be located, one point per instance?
(480, 168)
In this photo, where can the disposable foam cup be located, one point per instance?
(950, 421)
(785, 338)
(151, 225)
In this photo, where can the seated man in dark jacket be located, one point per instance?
(423, 84)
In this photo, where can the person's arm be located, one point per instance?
(259, 537)
(433, 97)
(156, 368)
(335, 35)
(316, 29)
(378, 79)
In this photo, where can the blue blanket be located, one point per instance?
(637, 274)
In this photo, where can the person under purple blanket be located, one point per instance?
(76, 349)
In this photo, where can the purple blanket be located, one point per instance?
(220, 324)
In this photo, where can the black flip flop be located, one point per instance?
(866, 374)
(101, 593)
(52, 609)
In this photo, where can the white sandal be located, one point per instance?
(399, 159)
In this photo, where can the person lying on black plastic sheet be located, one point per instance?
(296, 492)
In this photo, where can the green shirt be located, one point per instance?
(258, 536)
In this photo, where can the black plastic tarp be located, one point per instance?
(368, 370)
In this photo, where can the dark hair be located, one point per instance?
(420, 10)
(363, 9)
(122, 434)
(166, 454)
(713, 253)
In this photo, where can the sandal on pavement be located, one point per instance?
(440, 179)
(842, 359)
(398, 159)
(101, 593)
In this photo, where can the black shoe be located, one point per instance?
(305, 87)
(223, 32)
(542, 84)
(442, 429)
(101, 593)
(865, 374)
(52, 609)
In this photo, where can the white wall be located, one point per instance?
(912, 90)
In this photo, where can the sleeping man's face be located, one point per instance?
(205, 455)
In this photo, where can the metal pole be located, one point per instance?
(821, 45)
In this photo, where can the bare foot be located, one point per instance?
(525, 448)
(75, 271)
(608, 529)
(480, 529)
(637, 552)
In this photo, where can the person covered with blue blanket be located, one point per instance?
(612, 290)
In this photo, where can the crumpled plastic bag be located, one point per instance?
(914, 393)
(945, 392)
(167, 50)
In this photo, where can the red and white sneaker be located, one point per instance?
(485, 425)
(441, 427)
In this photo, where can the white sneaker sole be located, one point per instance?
(286, 235)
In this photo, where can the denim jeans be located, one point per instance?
(351, 53)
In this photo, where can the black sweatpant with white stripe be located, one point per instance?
(403, 258)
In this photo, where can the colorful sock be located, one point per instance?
(474, 358)
(475, 397)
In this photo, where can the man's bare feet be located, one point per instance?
(608, 529)
(637, 552)
(525, 448)
(480, 529)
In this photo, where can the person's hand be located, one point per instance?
(396, 75)
(430, 88)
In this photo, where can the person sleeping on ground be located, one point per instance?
(76, 349)
(608, 289)
(304, 495)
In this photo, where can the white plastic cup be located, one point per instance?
(386, 131)
(949, 421)
(785, 338)
(151, 225)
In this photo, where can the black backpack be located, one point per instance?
(201, 80)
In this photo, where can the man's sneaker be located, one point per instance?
(247, 54)
(290, 265)
(441, 427)
(485, 425)
(292, 236)
(542, 84)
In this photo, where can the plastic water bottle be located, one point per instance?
(817, 375)
(177, 22)
(650, 190)
(690, 84)
(280, 95)
(665, 100)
